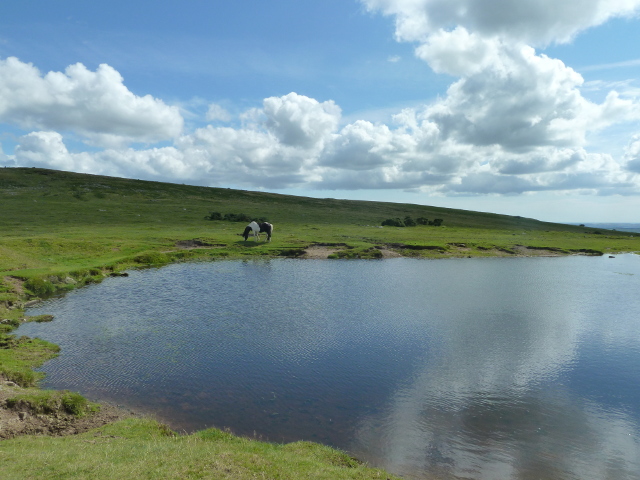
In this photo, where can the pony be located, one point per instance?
(256, 229)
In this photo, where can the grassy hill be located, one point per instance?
(52, 199)
(58, 222)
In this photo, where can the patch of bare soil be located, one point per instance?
(22, 422)
(323, 251)
(318, 251)
(387, 253)
(16, 284)
(537, 252)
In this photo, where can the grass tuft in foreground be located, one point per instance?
(51, 402)
(145, 449)
(19, 355)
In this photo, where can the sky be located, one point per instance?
(521, 107)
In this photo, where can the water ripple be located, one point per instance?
(479, 368)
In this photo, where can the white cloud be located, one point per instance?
(5, 160)
(632, 155)
(510, 96)
(301, 121)
(95, 105)
(216, 112)
(292, 142)
(361, 146)
(536, 22)
(515, 121)
(47, 149)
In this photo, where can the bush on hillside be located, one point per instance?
(410, 222)
(393, 222)
(233, 217)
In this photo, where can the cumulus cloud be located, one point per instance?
(301, 121)
(632, 155)
(284, 145)
(514, 121)
(95, 105)
(535, 22)
(47, 149)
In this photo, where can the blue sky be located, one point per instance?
(527, 108)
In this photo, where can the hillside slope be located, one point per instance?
(59, 222)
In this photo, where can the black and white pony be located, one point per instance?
(256, 229)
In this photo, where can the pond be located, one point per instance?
(473, 368)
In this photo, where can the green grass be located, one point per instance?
(20, 355)
(61, 230)
(51, 402)
(147, 450)
(56, 223)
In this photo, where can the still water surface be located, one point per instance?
(471, 368)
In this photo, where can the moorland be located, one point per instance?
(61, 230)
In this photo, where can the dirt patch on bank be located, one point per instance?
(21, 421)
(317, 251)
(387, 253)
(323, 251)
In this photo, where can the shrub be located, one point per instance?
(410, 222)
(393, 222)
(234, 217)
